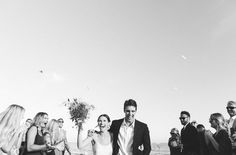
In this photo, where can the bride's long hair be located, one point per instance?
(10, 122)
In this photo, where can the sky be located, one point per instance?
(167, 55)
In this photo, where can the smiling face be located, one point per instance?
(130, 112)
(44, 121)
(103, 123)
(60, 122)
(231, 109)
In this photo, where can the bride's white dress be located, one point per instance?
(103, 149)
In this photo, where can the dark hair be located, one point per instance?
(200, 126)
(105, 115)
(130, 102)
(185, 113)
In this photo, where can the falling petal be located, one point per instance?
(184, 57)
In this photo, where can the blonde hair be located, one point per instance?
(220, 120)
(39, 118)
(10, 121)
(51, 125)
(53, 130)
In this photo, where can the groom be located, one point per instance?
(130, 136)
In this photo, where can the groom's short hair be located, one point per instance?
(185, 113)
(130, 102)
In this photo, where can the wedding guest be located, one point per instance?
(208, 145)
(221, 136)
(10, 130)
(231, 109)
(174, 142)
(189, 135)
(52, 137)
(200, 128)
(35, 143)
(28, 123)
(201, 135)
(130, 136)
(194, 123)
(101, 140)
(62, 137)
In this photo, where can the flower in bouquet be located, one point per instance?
(79, 110)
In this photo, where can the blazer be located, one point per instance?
(233, 126)
(230, 130)
(190, 140)
(141, 137)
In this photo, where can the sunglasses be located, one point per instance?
(230, 108)
(182, 118)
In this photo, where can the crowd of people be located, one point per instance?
(38, 136)
(194, 139)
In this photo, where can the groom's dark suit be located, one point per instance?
(190, 140)
(141, 137)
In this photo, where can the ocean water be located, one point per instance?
(162, 150)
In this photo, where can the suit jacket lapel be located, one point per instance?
(135, 132)
(234, 124)
(117, 129)
(119, 125)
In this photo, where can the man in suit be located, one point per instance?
(62, 137)
(231, 109)
(130, 136)
(189, 135)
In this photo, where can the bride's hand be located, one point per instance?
(78, 120)
(79, 123)
(91, 132)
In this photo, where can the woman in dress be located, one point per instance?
(221, 136)
(35, 142)
(10, 130)
(101, 140)
(52, 137)
(208, 145)
(174, 142)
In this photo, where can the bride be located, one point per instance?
(101, 140)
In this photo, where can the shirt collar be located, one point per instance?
(233, 117)
(125, 124)
(186, 125)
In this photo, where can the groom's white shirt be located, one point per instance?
(125, 138)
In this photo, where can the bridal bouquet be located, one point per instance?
(79, 110)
